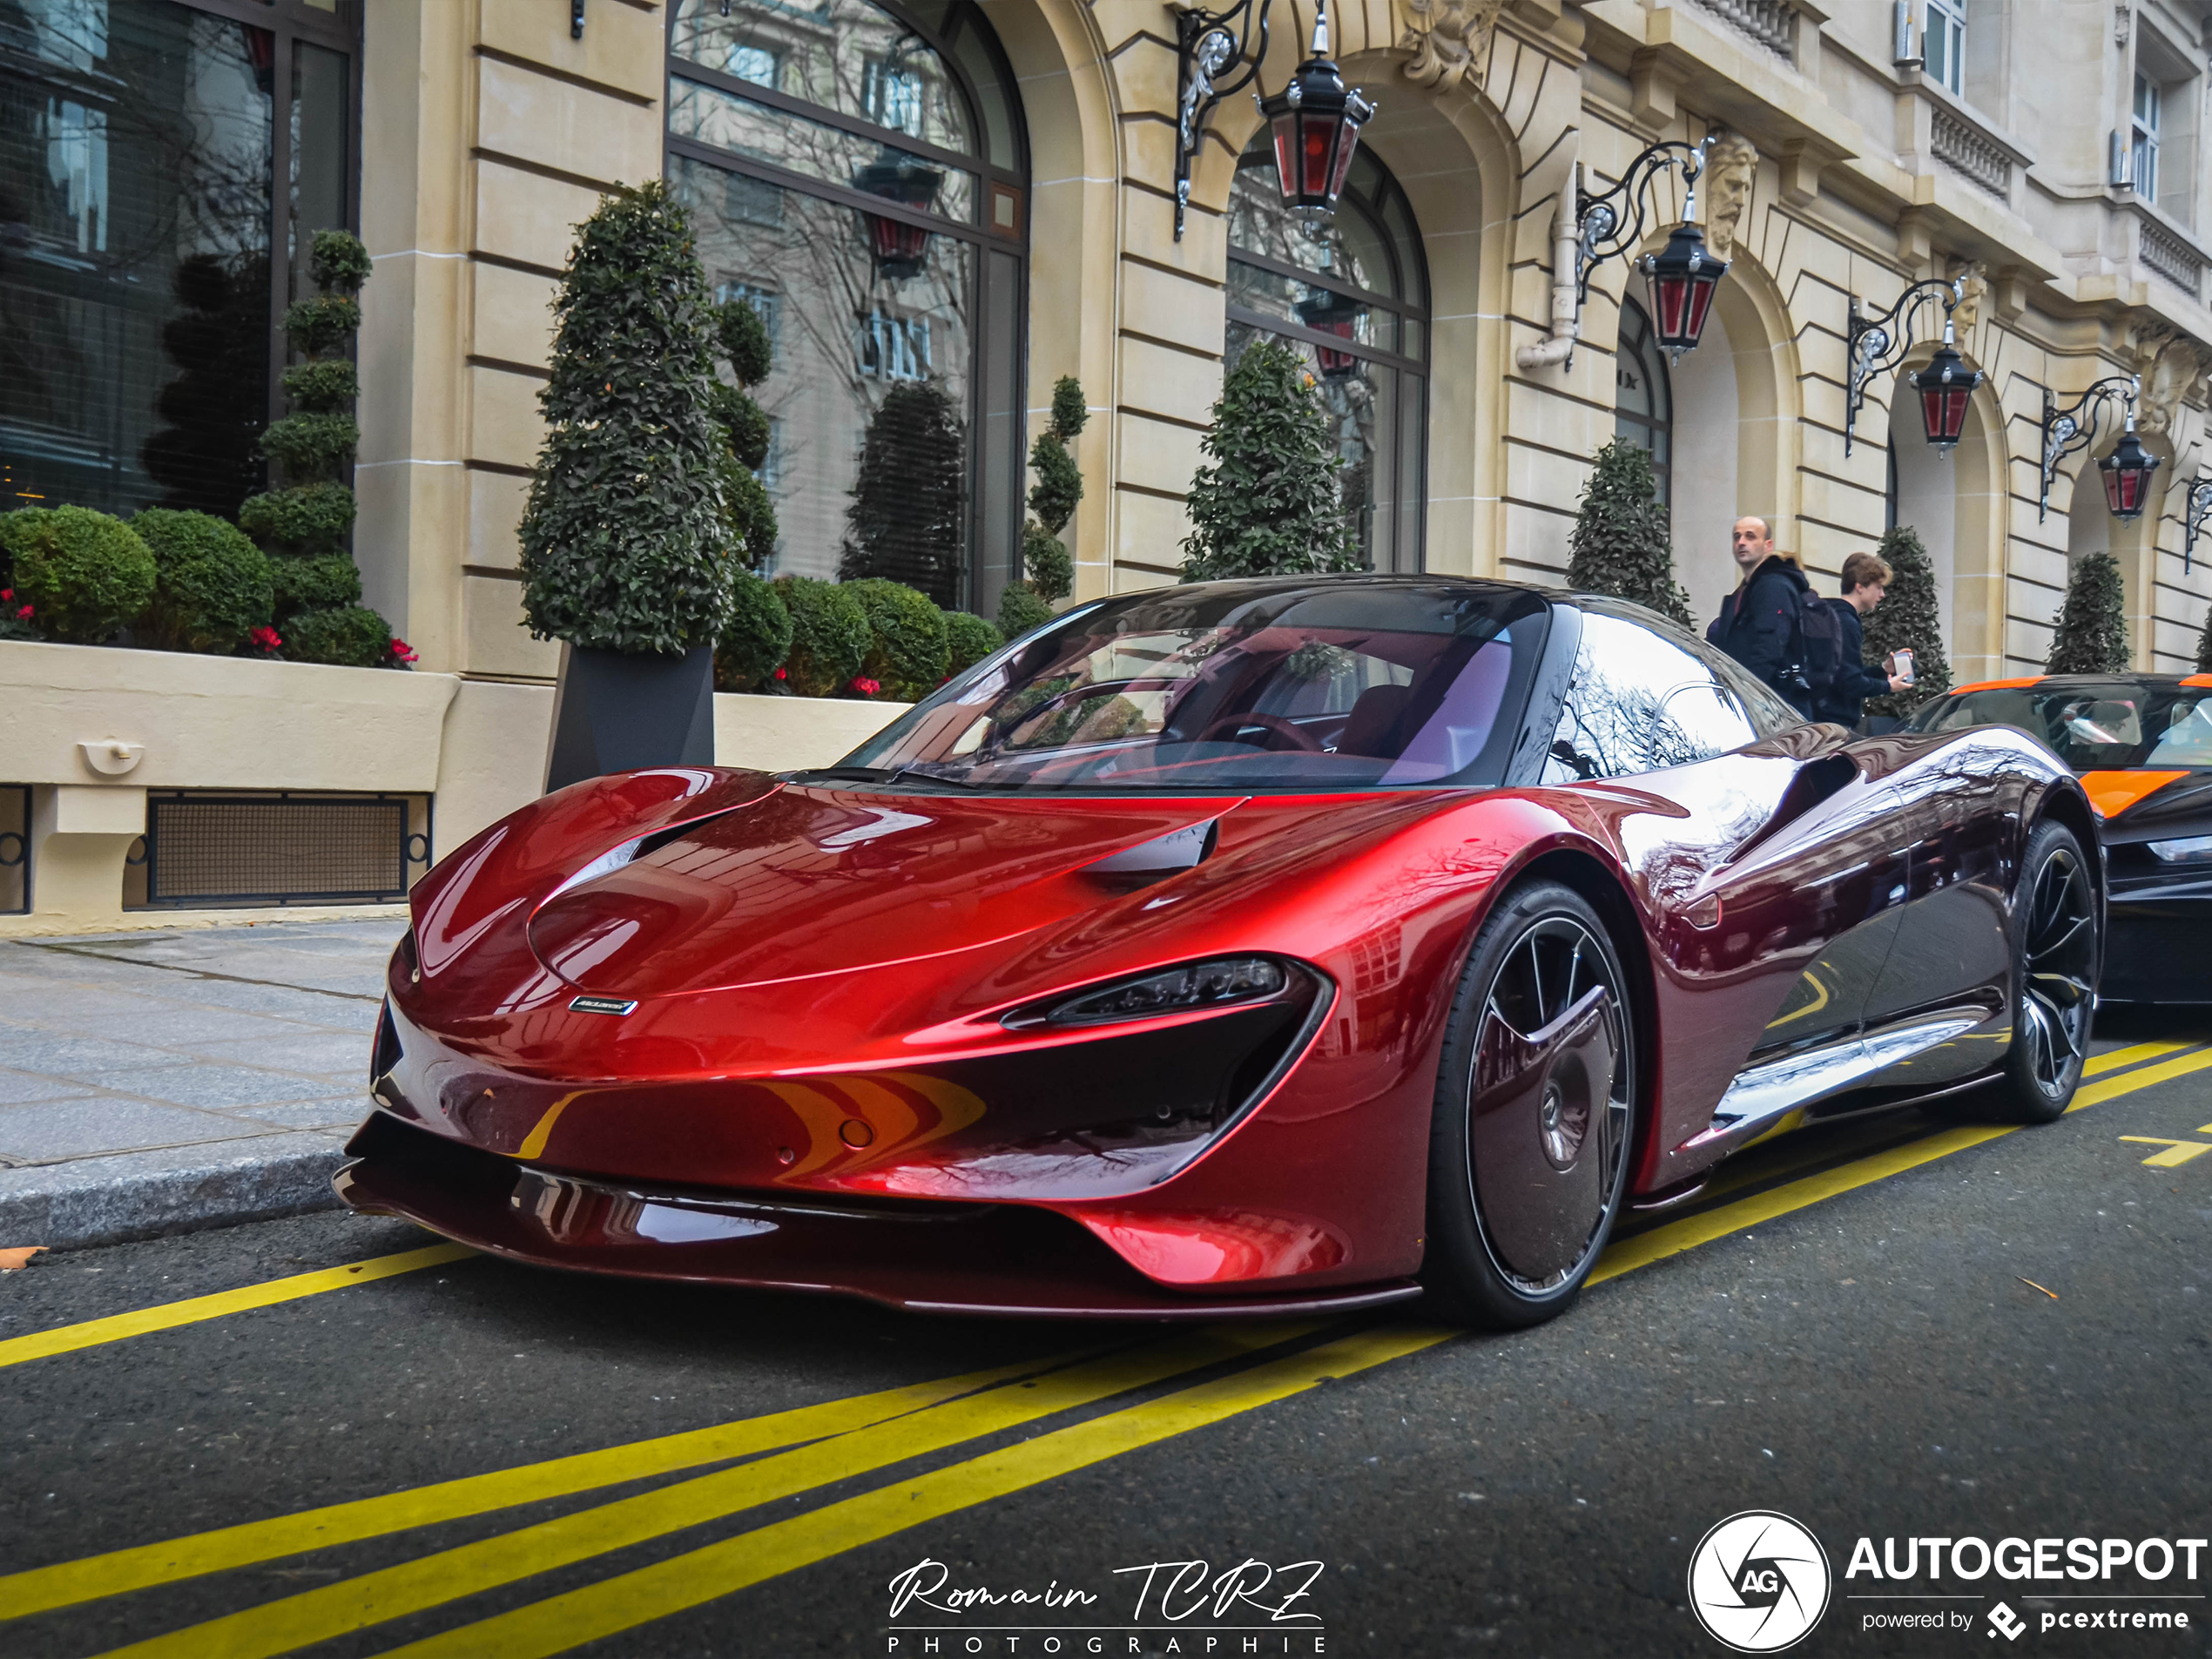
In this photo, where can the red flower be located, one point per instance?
(866, 687)
(779, 673)
(401, 651)
(7, 597)
(265, 639)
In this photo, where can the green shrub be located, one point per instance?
(325, 384)
(1620, 543)
(313, 445)
(338, 262)
(350, 636)
(1047, 570)
(82, 573)
(321, 324)
(1020, 609)
(308, 518)
(1270, 500)
(829, 636)
(745, 423)
(328, 582)
(909, 518)
(1907, 618)
(212, 587)
(753, 516)
(629, 541)
(743, 336)
(2092, 633)
(757, 639)
(969, 640)
(908, 654)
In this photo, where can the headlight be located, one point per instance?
(2188, 849)
(1223, 982)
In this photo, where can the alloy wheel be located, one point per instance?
(2057, 996)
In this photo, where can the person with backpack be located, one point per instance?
(1865, 579)
(1775, 625)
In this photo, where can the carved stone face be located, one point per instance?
(1728, 186)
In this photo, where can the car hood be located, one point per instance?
(810, 881)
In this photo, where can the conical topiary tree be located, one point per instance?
(1907, 619)
(909, 518)
(630, 538)
(303, 525)
(2092, 635)
(1620, 543)
(1048, 571)
(1271, 502)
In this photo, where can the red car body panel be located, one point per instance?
(819, 976)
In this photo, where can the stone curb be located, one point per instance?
(182, 1189)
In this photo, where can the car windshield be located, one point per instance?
(1331, 682)
(2093, 725)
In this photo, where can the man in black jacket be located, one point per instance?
(1865, 579)
(1758, 624)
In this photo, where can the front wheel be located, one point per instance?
(2058, 951)
(1529, 1148)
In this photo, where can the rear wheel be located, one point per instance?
(2058, 950)
(1528, 1150)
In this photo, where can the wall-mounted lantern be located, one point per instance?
(1680, 278)
(1327, 312)
(901, 247)
(1876, 345)
(1315, 119)
(2127, 470)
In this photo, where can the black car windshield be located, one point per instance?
(2092, 724)
(1326, 683)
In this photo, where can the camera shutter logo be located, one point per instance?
(1758, 1581)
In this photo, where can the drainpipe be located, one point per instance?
(1557, 347)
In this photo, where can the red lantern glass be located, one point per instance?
(1945, 386)
(1681, 278)
(901, 247)
(2127, 474)
(1315, 124)
(1333, 314)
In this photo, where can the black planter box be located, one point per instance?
(615, 712)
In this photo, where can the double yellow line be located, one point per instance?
(788, 1453)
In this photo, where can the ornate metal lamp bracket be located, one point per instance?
(1611, 222)
(2196, 511)
(2067, 431)
(1876, 345)
(1206, 45)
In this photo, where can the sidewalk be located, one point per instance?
(161, 1081)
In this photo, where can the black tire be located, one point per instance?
(2058, 951)
(1528, 1147)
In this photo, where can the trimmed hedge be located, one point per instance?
(317, 325)
(908, 655)
(829, 636)
(1020, 609)
(348, 637)
(969, 640)
(84, 574)
(212, 587)
(310, 518)
(315, 442)
(757, 639)
(329, 582)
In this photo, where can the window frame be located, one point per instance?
(1945, 20)
(2143, 134)
(1653, 359)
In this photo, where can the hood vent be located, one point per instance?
(1162, 856)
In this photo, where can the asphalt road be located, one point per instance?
(1845, 1333)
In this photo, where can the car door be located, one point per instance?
(1760, 857)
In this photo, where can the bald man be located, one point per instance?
(1758, 624)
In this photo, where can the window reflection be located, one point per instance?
(1640, 702)
(1359, 279)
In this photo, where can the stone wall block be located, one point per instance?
(565, 126)
(624, 46)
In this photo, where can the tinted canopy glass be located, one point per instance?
(1332, 683)
(2093, 725)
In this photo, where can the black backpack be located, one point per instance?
(1820, 646)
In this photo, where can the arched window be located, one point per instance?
(1644, 402)
(1351, 298)
(858, 172)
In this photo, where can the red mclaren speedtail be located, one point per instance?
(1249, 946)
